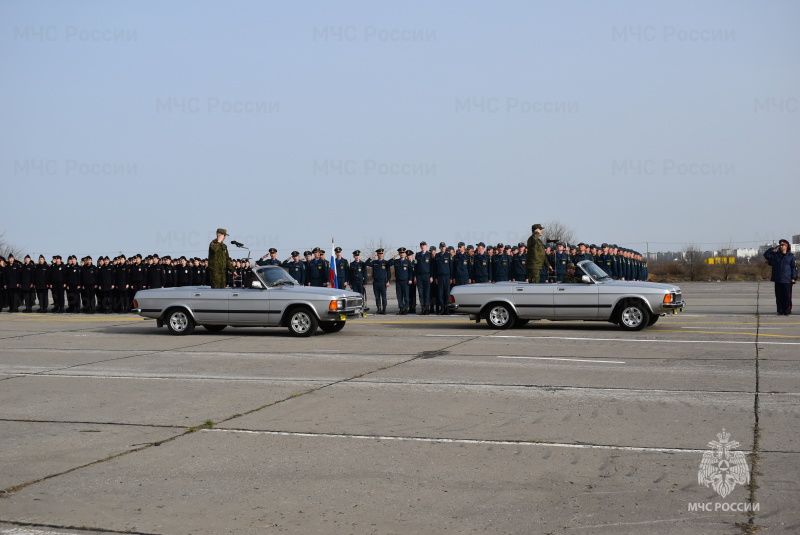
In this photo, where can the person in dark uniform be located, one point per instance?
(14, 283)
(358, 277)
(582, 253)
(136, 278)
(326, 268)
(316, 270)
(58, 273)
(295, 267)
(3, 287)
(89, 280)
(168, 270)
(481, 265)
(342, 268)
(155, 273)
(271, 261)
(73, 282)
(518, 262)
(501, 268)
(120, 293)
(247, 273)
(233, 279)
(784, 275)
(461, 266)
(183, 275)
(4, 302)
(443, 276)
(424, 278)
(380, 279)
(41, 280)
(605, 261)
(403, 277)
(105, 284)
(199, 275)
(561, 261)
(412, 288)
(28, 283)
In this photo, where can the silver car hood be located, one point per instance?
(638, 284)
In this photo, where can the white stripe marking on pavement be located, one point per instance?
(760, 342)
(565, 358)
(463, 441)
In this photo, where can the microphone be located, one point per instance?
(236, 243)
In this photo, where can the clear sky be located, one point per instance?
(143, 126)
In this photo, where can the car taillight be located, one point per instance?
(452, 300)
(135, 304)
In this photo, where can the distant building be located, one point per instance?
(796, 239)
(748, 252)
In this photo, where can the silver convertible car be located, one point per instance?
(631, 305)
(274, 299)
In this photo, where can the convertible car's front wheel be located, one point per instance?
(633, 316)
(332, 326)
(302, 322)
(179, 321)
(500, 316)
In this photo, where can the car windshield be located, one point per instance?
(591, 269)
(275, 276)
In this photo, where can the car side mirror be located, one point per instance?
(586, 279)
(256, 284)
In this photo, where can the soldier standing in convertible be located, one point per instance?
(537, 258)
(218, 260)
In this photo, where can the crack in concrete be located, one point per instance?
(73, 528)
(751, 526)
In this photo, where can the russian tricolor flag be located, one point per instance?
(332, 271)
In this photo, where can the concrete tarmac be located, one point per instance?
(402, 424)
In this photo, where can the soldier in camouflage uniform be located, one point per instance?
(569, 276)
(218, 260)
(537, 259)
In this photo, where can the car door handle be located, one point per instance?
(235, 295)
(561, 289)
(197, 295)
(520, 289)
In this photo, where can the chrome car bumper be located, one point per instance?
(673, 308)
(344, 312)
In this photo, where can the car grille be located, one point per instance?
(353, 302)
(678, 297)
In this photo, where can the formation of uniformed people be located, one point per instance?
(427, 274)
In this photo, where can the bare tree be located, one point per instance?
(727, 266)
(556, 230)
(373, 244)
(693, 262)
(8, 249)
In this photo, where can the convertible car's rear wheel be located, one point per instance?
(179, 321)
(332, 326)
(633, 316)
(500, 316)
(302, 322)
(519, 322)
(214, 328)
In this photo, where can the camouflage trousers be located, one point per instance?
(217, 279)
(533, 274)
